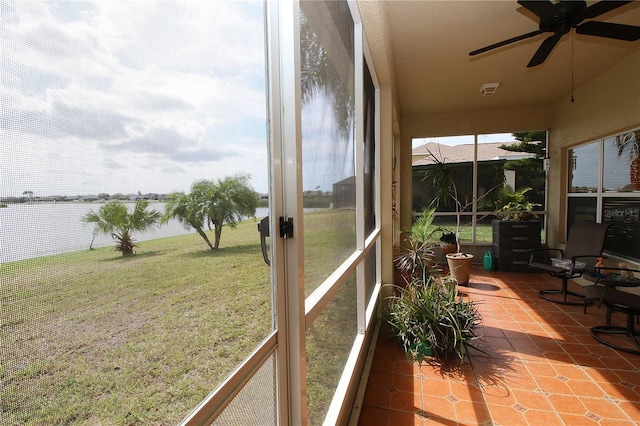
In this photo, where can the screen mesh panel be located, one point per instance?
(110, 311)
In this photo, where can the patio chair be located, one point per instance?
(583, 248)
(619, 290)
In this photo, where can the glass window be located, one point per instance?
(624, 234)
(512, 160)
(620, 153)
(617, 202)
(582, 209)
(583, 168)
(328, 169)
(328, 343)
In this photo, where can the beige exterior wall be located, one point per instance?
(605, 106)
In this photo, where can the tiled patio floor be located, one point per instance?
(541, 367)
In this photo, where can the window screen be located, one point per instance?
(108, 110)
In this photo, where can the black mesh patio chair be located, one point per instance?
(583, 248)
(618, 290)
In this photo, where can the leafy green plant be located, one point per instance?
(448, 237)
(434, 316)
(514, 205)
(422, 229)
(415, 259)
(442, 176)
(114, 218)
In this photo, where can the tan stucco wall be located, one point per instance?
(605, 106)
(386, 179)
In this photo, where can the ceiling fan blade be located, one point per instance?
(505, 42)
(544, 50)
(601, 7)
(609, 30)
(543, 9)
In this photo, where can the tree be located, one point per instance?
(213, 204)
(529, 171)
(231, 200)
(188, 210)
(114, 218)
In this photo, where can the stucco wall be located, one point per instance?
(605, 106)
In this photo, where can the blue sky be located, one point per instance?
(128, 96)
(457, 140)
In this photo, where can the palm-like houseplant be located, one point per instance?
(444, 180)
(432, 320)
(415, 259)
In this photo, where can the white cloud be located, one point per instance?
(131, 95)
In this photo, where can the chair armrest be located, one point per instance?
(534, 251)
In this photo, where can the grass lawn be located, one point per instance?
(94, 338)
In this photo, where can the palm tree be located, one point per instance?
(114, 218)
(630, 142)
(188, 210)
(231, 199)
(215, 204)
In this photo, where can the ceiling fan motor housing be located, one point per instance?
(569, 14)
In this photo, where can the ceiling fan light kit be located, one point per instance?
(489, 89)
(559, 18)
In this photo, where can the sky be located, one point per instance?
(130, 96)
(458, 140)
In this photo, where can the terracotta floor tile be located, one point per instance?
(377, 396)
(571, 371)
(436, 387)
(632, 409)
(442, 408)
(468, 412)
(406, 401)
(540, 366)
(552, 385)
(567, 404)
(532, 400)
(506, 416)
(586, 388)
(604, 408)
(546, 418)
(374, 416)
(498, 395)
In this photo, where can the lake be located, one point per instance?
(41, 229)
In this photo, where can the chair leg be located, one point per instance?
(564, 292)
(629, 331)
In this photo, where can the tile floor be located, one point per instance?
(541, 367)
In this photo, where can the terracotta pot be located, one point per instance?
(460, 266)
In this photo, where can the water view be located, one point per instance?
(41, 229)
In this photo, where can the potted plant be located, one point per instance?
(415, 258)
(443, 178)
(513, 231)
(448, 242)
(513, 205)
(432, 321)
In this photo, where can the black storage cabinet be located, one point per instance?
(512, 241)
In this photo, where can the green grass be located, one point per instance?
(92, 337)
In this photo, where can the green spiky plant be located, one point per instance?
(433, 322)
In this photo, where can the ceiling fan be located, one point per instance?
(559, 18)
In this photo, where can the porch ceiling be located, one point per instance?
(423, 46)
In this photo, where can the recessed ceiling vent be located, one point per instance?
(489, 89)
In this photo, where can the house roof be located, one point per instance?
(464, 153)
